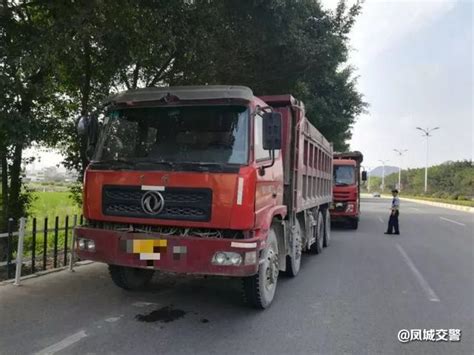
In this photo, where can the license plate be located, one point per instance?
(153, 249)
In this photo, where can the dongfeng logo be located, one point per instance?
(152, 202)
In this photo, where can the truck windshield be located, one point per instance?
(210, 134)
(344, 175)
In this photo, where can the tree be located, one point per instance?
(28, 100)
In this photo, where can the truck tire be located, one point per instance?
(317, 246)
(130, 278)
(327, 228)
(354, 223)
(293, 261)
(259, 289)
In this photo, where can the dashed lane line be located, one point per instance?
(421, 280)
(450, 220)
(63, 344)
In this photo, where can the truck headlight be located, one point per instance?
(226, 258)
(86, 244)
(90, 245)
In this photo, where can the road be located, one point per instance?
(353, 298)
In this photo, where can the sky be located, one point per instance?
(414, 62)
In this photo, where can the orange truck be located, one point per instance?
(205, 180)
(346, 190)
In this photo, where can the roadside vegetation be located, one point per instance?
(451, 182)
(60, 59)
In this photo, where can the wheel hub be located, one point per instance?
(271, 271)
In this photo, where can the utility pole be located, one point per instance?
(427, 134)
(400, 152)
(383, 173)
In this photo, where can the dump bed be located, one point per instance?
(307, 156)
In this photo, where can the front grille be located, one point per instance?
(191, 204)
(341, 196)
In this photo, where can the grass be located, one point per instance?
(49, 204)
(52, 204)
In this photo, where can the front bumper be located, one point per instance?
(190, 255)
(339, 210)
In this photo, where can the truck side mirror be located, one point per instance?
(364, 175)
(83, 125)
(271, 130)
(88, 131)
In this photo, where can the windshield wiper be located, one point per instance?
(155, 162)
(202, 166)
(113, 163)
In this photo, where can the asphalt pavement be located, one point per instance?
(354, 298)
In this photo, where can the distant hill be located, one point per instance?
(388, 170)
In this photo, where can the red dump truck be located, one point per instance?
(346, 190)
(207, 180)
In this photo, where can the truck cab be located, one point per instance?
(346, 189)
(191, 180)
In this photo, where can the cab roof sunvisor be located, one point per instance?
(181, 93)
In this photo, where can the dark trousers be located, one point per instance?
(393, 223)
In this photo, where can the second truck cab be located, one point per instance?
(346, 189)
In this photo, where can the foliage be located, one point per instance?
(451, 180)
(60, 59)
(29, 97)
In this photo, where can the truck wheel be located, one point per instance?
(130, 278)
(293, 261)
(354, 223)
(317, 246)
(327, 228)
(259, 289)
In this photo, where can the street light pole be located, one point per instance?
(400, 152)
(383, 173)
(427, 134)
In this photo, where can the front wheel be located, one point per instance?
(354, 223)
(259, 290)
(130, 278)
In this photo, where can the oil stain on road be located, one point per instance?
(164, 314)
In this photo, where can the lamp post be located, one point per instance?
(383, 172)
(427, 134)
(400, 152)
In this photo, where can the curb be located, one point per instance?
(441, 204)
(46, 272)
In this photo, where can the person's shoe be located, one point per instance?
(388, 233)
(397, 233)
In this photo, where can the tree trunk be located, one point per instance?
(16, 208)
(4, 191)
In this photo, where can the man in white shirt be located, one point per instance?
(395, 210)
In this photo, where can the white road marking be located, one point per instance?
(143, 304)
(414, 208)
(381, 220)
(63, 344)
(113, 319)
(421, 280)
(450, 220)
